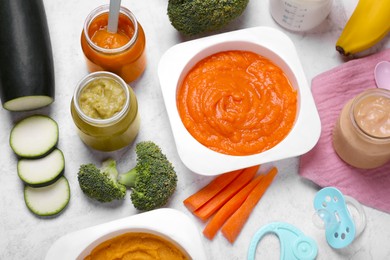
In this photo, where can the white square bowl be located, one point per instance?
(171, 224)
(268, 42)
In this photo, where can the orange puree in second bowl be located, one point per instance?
(237, 103)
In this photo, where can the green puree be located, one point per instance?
(102, 98)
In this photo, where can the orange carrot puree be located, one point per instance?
(127, 62)
(101, 37)
(237, 103)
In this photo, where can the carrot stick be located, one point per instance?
(229, 208)
(224, 195)
(234, 224)
(199, 198)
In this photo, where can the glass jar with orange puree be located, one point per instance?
(105, 111)
(361, 136)
(122, 53)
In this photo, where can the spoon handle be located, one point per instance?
(113, 16)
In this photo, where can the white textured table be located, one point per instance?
(25, 236)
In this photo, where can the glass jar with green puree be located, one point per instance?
(105, 110)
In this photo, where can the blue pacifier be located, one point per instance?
(341, 227)
(293, 243)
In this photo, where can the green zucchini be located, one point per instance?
(34, 136)
(26, 62)
(43, 171)
(48, 200)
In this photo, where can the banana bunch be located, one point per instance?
(368, 24)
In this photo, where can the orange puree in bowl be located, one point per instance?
(237, 103)
(137, 245)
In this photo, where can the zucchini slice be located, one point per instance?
(34, 136)
(27, 79)
(42, 171)
(48, 200)
(27, 103)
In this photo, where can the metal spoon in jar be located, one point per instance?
(382, 75)
(113, 16)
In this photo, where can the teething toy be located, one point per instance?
(293, 243)
(340, 226)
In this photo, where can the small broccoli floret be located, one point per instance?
(101, 184)
(196, 16)
(153, 180)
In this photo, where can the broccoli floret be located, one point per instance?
(153, 180)
(101, 184)
(196, 16)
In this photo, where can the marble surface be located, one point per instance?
(25, 236)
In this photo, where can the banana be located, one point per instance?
(368, 24)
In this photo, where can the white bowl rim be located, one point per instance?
(172, 224)
(203, 160)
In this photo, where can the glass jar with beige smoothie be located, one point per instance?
(361, 136)
(105, 110)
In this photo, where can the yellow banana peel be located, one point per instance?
(368, 24)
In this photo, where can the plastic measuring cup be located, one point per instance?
(300, 15)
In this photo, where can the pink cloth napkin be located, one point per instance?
(331, 90)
